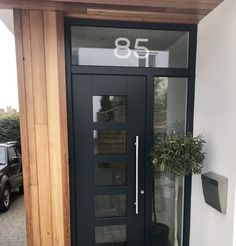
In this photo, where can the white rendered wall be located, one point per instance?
(8, 73)
(215, 118)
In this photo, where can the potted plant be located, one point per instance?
(181, 156)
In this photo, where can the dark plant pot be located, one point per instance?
(160, 235)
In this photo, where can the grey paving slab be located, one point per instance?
(12, 223)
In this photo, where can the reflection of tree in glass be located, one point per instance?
(113, 108)
(160, 110)
(161, 86)
(178, 127)
(119, 108)
(160, 105)
(106, 107)
(118, 101)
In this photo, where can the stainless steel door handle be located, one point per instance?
(136, 175)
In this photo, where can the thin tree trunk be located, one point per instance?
(176, 242)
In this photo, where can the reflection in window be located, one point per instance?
(11, 153)
(111, 235)
(169, 105)
(110, 205)
(109, 108)
(110, 142)
(2, 155)
(169, 115)
(110, 174)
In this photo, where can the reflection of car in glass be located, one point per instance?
(11, 177)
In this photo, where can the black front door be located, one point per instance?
(109, 141)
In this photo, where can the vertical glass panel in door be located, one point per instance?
(126, 47)
(170, 103)
(114, 235)
(109, 109)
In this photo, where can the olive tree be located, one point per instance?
(180, 156)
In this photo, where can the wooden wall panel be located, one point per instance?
(34, 217)
(38, 66)
(23, 123)
(44, 184)
(55, 149)
(41, 77)
(29, 95)
(29, 100)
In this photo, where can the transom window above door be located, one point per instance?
(125, 47)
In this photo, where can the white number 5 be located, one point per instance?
(141, 51)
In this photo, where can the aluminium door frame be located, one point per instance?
(150, 74)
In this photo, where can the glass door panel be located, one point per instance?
(109, 108)
(110, 142)
(110, 174)
(111, 235)
(110, 205)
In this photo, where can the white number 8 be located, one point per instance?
(124, 47)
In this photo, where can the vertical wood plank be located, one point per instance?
(35, 217)
(41, 128)
(51, 58)
(29, 97)
(38, 66)
(23, 121)
(44, 186)
(63, 126)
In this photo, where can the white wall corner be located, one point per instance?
(215, 118)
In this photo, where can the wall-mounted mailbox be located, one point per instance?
(215, 190)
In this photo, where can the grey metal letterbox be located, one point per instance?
(215, 190)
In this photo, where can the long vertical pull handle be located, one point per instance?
(136, 175)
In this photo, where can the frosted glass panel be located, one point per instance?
(103, 46)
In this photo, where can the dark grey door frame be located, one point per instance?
(150, 73)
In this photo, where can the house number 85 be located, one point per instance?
(123, 44)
